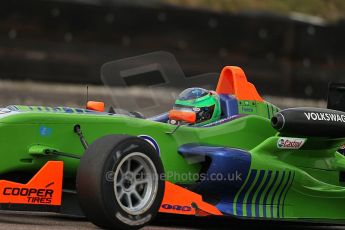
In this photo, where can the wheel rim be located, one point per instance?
(135, 183)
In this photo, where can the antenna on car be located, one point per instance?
(87, 95)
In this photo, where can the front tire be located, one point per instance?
(119, 182)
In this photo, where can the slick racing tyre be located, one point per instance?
(119, 182)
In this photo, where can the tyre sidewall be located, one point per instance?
(113, 209)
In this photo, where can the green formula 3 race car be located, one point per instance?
(256, 161)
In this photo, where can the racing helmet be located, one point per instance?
(202, 104)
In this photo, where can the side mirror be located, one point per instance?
(184, 116)
(95, 106)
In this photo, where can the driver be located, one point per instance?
(196, 106)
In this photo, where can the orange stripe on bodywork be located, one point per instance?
(233, 80)
(45, 188)
(178, 200)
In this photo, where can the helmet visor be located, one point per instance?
(192, 94)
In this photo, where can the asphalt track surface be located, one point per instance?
(29, 93)
(41, 221)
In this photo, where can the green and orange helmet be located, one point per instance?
(196, 105)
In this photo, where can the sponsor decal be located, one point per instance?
(248, 110)
(33, 195)
(177, 207)
(152, 142)
(290, 143)
(316, 116)
(45, 131)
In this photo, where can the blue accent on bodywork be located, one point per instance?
(225, 162)
(251, 194)
(68, 110)
(229, 105)
(240, 199)
(257, 200)
(45, 131)
(152, 142)
(281, 193)
(164, 117)
(79, 110)
(222, 121)
(269, 190)
(275, 193)
(225, 207)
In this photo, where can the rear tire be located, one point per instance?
(119, 182)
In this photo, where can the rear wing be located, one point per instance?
(336, 96)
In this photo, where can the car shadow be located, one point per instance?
(192, 222)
